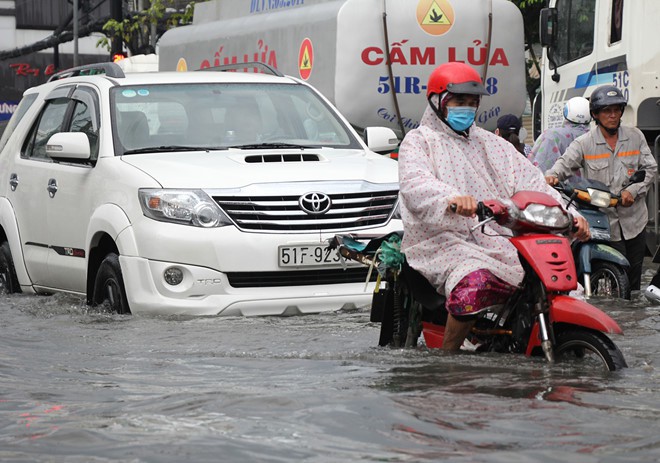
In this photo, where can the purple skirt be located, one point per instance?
(476, 292)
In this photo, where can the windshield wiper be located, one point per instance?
(256, 146)
(171, 148)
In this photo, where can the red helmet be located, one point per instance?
(455, 77)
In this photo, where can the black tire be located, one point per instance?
(610, 280)
(590, 347)
(401, 323)
(399, 319)
(8, 279)
(109, 286)
(394, 325)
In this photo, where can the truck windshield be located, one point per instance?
(221, 116)
(576, 21)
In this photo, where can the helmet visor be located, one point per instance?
(469, 88)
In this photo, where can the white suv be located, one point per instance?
(198, 193)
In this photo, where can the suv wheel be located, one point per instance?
(8, 279)
(109, 286)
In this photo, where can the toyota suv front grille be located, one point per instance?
(310, 212)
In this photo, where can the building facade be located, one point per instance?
(37, 41)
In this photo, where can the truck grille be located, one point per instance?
(285, 213)
(299, 277)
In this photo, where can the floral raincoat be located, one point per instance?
(436, 164)
(553, 143)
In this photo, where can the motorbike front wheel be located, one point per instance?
(589, 348)
(610, 280)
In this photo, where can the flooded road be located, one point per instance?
(82, 386)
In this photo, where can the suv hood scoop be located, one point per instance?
(294, 157)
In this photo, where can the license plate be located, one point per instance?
(307, 255)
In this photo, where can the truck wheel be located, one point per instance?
(588, 347)
(8, 279)
(109, 286)
(611, 280)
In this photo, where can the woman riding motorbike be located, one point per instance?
(449, 161)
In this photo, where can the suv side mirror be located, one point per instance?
(381, 139)
(548, 27)
(68, 146)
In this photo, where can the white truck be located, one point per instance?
(357, 51)
(590, 43)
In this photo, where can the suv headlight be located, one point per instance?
(187, 207)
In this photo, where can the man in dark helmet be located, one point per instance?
(448, 160)
(611, 153)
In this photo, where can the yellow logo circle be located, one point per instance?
(435, 17)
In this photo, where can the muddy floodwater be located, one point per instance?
(83, 386)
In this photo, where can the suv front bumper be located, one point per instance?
(204, 291)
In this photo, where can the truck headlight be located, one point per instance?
(187, 207)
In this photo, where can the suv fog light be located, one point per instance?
(173, 276)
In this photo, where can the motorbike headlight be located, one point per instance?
(599, 198)
(547, 216)
(186, 207)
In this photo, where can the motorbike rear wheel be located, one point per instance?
(608, 279)
(589, 347)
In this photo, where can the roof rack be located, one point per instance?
(263, 67)
(108, 69)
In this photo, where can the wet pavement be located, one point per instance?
(83, 386)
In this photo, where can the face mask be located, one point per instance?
(460, 118)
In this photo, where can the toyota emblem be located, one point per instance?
(315, 203)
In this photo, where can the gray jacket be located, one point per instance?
(613, 167)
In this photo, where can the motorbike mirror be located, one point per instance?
(637, 177)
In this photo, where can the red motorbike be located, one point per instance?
(541, 318)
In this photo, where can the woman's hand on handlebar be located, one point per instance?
(463, 205)
(581, 229)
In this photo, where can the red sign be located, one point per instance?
(26, 69)
(305, 59)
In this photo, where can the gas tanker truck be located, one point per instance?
(371, 58)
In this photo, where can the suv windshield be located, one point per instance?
(170, 117)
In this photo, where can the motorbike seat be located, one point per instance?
(425, 294)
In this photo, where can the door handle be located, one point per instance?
(13, 181)
(52, 187)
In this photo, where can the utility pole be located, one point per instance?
(76, 20)
(116, 13)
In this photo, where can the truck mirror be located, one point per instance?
(548, 32)
(548, 27)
